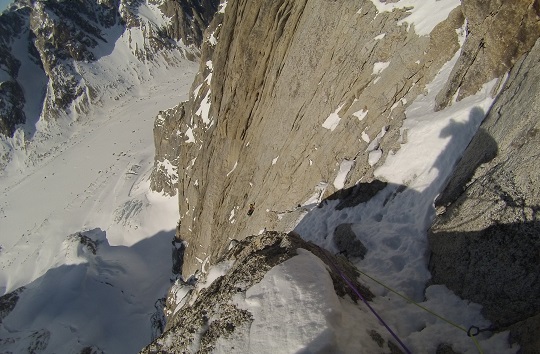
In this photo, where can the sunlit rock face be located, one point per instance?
(297, 100)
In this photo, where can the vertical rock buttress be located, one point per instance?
(271, 74)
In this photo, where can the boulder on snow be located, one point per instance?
(346, 241)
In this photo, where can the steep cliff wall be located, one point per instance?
(283, 83)
(286, 82)
(297, 100)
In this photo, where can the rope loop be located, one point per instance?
(473, 331)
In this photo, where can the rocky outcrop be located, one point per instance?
(8, 302)
(61, 40)
(499, 33)
(11, 95)
(11, 106)
(485, 241)
(212, 312)
(189, 19)
(167, 142)
(273, 76)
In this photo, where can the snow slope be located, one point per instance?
(93, 179)
(393, 224)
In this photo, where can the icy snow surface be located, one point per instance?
(333, 119)
(94, 181)
(299, 292)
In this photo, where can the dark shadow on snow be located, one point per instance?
(497, 267)
(100, 293)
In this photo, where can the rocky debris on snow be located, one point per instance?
(35, 341)
(346, 241)
(91, 350)
(86, 242)
(210, 313)
(8, 302)
(485, 240)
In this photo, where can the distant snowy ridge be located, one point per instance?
(82, 235)
(69, 68)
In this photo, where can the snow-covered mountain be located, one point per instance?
(84, 243)
(316, 179)
(59, 59)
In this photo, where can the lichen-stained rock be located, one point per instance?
(287, 91)
(212, 313)
(485, 242)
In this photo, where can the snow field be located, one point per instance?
(89, 174)
(296, 309)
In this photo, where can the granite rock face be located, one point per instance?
(289, 92)
(499, 33)
(273, 74)
(485, 242)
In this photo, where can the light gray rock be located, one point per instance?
(485, 242)
(499, 33)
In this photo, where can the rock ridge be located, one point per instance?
(210, 313)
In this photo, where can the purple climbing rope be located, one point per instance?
(349, 283)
